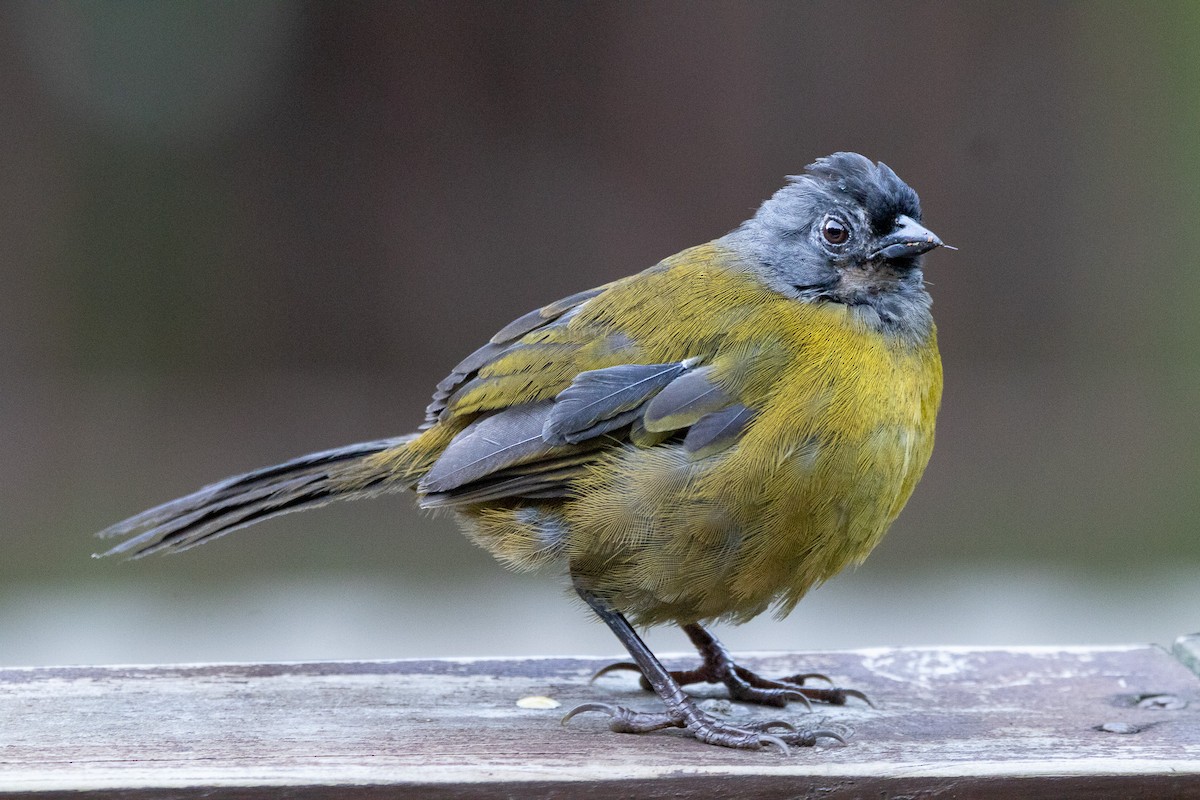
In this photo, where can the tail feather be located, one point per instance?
(228, 505)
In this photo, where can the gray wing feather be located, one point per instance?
(471, 364)
(601, 395)
(716, 431)
(684, 401)
(443, 404)
(537, 450)
(560, 307)
(489, 444)
(542, 485)
(504, 341)
(519, 327)
(604, 426)
(540, 316)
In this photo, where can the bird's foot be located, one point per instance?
(744, 684)
(706, 728)
(753, 688)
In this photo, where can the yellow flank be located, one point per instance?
(843, 430)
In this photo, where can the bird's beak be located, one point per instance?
(908, 239)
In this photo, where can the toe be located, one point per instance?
(776, 742)
(583, 708)
(620, 666)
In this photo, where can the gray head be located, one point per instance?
(847, 231)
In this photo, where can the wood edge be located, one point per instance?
(1187, 650)
(764, 786)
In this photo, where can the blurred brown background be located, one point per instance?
(233, 232)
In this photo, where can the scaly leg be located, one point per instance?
(681, 711)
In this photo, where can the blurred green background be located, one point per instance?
(234, 232)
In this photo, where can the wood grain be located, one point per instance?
(1030, 722)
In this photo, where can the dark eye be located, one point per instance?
(835, 231)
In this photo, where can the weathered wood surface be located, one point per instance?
(1033, 723)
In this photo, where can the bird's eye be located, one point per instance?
(835, 231)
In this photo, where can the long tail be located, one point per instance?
(306, 482)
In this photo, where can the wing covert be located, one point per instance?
(534, 407)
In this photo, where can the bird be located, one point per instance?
(693, 444)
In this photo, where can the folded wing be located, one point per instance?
(553, 390)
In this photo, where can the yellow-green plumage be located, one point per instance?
(700, 441)
(843, 432)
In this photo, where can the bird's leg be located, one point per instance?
(719, 667)
(681, 711)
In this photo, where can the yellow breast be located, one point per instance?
(844, 431)
(844, 428)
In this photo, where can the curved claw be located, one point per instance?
(799, 697)
(828, 734)
(774, 723)
(836, 696)
(619, 666)
(774, 741)
(807, 676)
(583, 708)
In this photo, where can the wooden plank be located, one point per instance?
(1030, 722)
